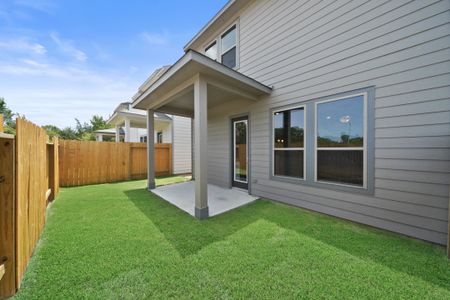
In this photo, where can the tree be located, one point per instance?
(97, 123)
(68, 133)
(82, 131)
(52, 131)
(8, 116)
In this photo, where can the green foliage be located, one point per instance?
(52, 131)
(67, 133)
(118, 241)
(8, 116)
(82, 131)
(97, 123)
(345, 141)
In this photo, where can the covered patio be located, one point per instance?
(220, 200)
(191, 87)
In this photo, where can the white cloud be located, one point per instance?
(154, 38)
(67, 47)
(47, 94)
(22, 45)
(46, 6)
(33, 63)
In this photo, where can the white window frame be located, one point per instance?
(364, 148)
(289, 149)
(234, 151)
(218, 41)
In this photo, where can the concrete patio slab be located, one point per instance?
(220, 200)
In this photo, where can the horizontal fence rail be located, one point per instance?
(89, 162)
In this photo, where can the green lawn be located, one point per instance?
(119, 241)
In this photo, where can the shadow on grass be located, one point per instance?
(187, 234)
(399, 253)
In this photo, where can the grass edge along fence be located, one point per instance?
(29, 180)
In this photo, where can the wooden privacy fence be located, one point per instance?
(88, 162)
(28, 181)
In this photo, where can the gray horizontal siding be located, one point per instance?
(311, 49)
(182, 145)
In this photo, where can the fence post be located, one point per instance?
(51, 171)
(56, 166)
(7, 217)
(53, 167)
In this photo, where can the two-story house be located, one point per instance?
(340, 107)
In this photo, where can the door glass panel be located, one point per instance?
(240, 151)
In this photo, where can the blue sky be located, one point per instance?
(66, 59)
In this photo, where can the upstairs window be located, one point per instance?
(288, 135)
(211, 51)
(340, 140)
(224, 48)
(228, 49)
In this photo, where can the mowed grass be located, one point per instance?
(118, 241)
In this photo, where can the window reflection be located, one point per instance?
(341, 123)
(288, 126)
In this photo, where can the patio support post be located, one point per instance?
(127, 130)
(117, 133)
(100, 138)
(201, 148)
(192, 149)
(150, 150)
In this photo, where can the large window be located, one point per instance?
(326, 143)
(340, 141)
(288, 134)
(224, 48)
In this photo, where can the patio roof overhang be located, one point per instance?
(136, 120)
(173, 92)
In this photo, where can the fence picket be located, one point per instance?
(35, 175)
(88, 162)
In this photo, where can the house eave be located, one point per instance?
(208, 25)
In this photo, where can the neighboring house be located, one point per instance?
(338, 107)
(130, 126)
(110, 135)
